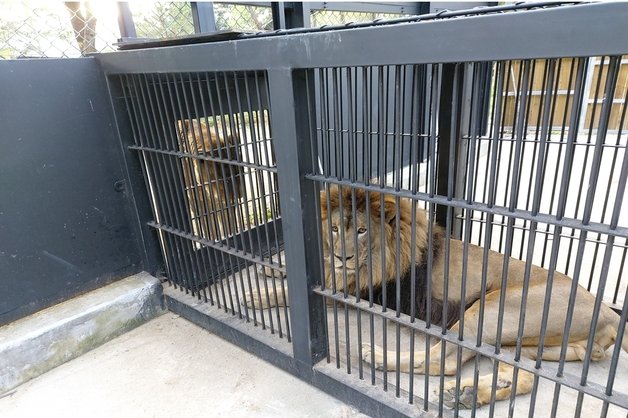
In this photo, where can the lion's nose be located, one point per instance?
(349, 257)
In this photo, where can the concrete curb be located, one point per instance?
(38, 343)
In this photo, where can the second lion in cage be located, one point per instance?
(373, 220)
(213, 187)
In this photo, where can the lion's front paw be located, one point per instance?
(373, 356)
(466, 395)
(271, 273)
(258, 300)
(264, 298)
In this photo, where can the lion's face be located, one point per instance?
(352, 242)
(357, 234)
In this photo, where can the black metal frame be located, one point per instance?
(581, 30)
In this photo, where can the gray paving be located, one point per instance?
(169, 367)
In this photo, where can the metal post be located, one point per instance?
(279, 15)
(290, 15)
(298, 15)
(448, 127)
(125, 21)
(299, 201)
(203, 17)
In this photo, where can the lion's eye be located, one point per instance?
(334, 228)
(361, 230)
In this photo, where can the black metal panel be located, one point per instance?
(64, 218)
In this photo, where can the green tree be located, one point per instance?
(166, 20)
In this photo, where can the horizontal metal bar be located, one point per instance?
(486, 350)
(247, 3)
(539, 93)
(217, 246)
(480, 207)
(576, 30)
(202, 157)
(550, 234)
(552, 143)
(370, 7)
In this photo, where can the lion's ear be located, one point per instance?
(323, 204)
(184, 127)
(390, 209)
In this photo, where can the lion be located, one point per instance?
(213, 188)
(396, 214)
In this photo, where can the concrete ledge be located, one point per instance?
(42, 341)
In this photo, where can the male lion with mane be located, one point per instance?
(213, 188)
(350, 261)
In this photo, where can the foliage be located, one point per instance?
(242, 17)
(165, 20)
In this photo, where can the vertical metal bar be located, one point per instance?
(448, 113)
(473, 113)
(414, 182)
(235, 193)
(536, 202)
(619, 198)
(261, 88)
(159, 181)
(297, 15)
(279, 15)
(166, 170)
(367, 75)
(382, 112)
(244, 138)
(203, 16)
(500, 71)
(611, 81)
(514, 195)
(235, 189)
(447, 128)
(571, 142)
(298, 208)
(199, 202)
(514, 181)
(397, 168)
(433, 118)
(202, 205)
(168, 246)
(125, 20)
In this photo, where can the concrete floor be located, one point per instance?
(169, 367)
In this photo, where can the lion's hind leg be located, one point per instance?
(470, 396)
(575, 351)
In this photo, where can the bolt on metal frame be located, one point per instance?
(420, 111)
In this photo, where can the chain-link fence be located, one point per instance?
(33, 28)
(56, 29)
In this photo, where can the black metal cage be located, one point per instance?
(487, 147)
